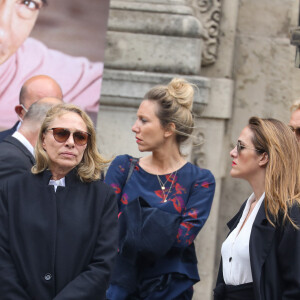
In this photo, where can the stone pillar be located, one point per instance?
(149, 43)
(153, 36)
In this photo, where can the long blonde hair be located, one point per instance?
(92, 163)
(282, 185)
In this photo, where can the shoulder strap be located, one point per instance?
(133, 163)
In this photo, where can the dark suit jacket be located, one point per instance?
(8, 132)
(56, 245)
(14, 158)
(274, 256)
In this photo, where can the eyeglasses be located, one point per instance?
(24, 107)
(295, 130)
(240, 147)
(61, 135)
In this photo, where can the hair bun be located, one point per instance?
(182, 92)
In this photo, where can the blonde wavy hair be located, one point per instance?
(282, 185)
(175, 102)
(92, 163)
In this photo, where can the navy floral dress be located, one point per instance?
(190, 193)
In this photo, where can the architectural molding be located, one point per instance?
(209, 13)
(198, 153)
(161, 36)
(127, 88)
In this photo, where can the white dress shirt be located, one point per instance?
(235, 249)
(21, 138)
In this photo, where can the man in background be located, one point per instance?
(34, 89)
(295, 119)
(17, 151)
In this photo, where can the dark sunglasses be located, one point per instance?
(295, 130)
(240, 147)
(62, 134)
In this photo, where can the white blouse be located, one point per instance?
(235, 249)
(56, 183)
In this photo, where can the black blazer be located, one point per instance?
(8, 132)
(274, 256)
(14, 158)
(56, 245)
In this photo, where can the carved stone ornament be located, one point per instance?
(209, 13)
(198, 155)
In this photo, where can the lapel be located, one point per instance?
(231, 225)
(20, 146)
(261, 238)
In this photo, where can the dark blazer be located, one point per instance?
(274, 256)
(56, 245)
(14, 158)
(8, 132)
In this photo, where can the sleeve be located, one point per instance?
(79, 78)
(197, 209)
(117, 174)
(289, 257)
(10, 287)
(94, 281)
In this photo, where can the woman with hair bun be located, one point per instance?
(261, 255)
(164, 201)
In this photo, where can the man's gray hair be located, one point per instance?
(37, 112)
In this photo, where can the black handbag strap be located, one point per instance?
(133, 163)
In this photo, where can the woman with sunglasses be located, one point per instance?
(261, 255)
(58, 225)
(164, 201)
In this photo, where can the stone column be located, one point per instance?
(153, 36)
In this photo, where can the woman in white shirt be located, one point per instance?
(261, 255)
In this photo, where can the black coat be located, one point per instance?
(8, 132)
(274, 256)
(56, 245)
(15, 158)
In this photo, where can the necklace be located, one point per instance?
(162, 185)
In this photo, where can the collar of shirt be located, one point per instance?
(56, 183)
(21, 138)
(18, 126)
(250, 200)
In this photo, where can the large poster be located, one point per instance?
(62, 39)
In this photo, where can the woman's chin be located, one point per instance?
(234, 174)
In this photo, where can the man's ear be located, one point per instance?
(19, 111)
(170, 129)
(263, 159)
